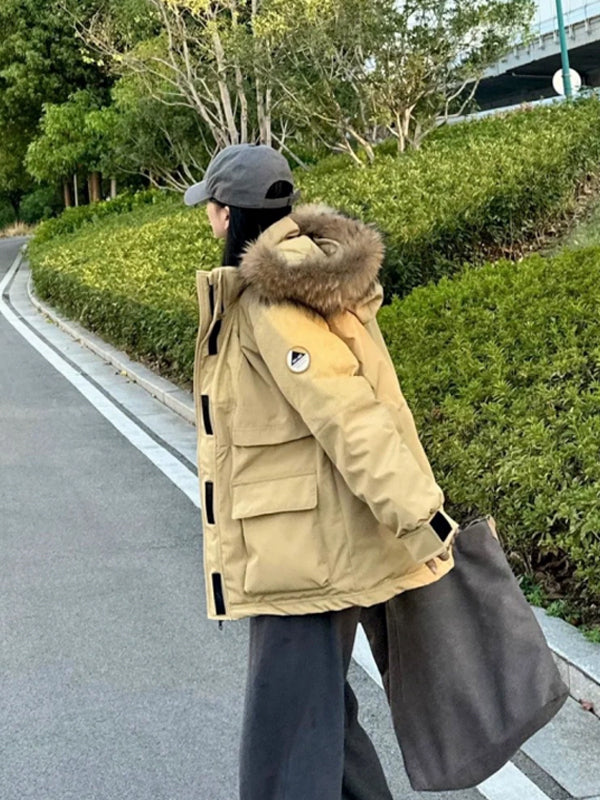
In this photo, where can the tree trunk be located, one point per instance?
(239, 83)
(75, 190)
(113, 188)
(367, 147)
(95, 187)
(400, 134)
(263, 112)
(243, 105)
(268, 103)
(67, 194)
(221, 70)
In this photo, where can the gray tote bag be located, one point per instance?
(466, 668)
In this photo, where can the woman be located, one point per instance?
(318, 499)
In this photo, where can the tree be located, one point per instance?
(210, 58)
(66, 144)
(431, 57)
(320, 60)
(41, 61)
(344, 73)
(142, 136)
(197, 62)
(354, 68)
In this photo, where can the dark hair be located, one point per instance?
(246, 224)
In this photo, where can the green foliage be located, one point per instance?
(533, 591)
(474, 190)
(7, 213)
(40, 204)
(571, 610)
(592, 633)
(74, 218)
(42, 60)
(501, 367)
(131, 277)
(140, 134)
(66, 141)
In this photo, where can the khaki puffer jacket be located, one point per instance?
(316, 492)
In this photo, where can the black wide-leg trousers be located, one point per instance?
(301, 737)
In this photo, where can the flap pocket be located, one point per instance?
(289, 429)
(296, 493)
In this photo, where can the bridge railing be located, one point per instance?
(546, 24)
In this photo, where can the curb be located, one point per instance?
(167, 393)
(578, 660)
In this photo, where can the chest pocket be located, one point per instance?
(275, 489)
(262, 414)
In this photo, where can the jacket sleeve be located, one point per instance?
(355, 429)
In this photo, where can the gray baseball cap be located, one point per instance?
(241, 175)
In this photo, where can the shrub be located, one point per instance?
(501, 367)
(132, 279)
(476, 190)
(40, 204)
(7, 213)
(72, 219)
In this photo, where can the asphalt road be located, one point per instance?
(114, 685)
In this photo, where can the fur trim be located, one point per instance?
(340, 268)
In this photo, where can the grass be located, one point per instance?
(587, 232)
(17, 229)
(537, 595)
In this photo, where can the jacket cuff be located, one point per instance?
(431, 539)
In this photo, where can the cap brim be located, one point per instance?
(196, 194)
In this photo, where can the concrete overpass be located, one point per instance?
(525, 74)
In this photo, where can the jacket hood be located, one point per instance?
(317, 257)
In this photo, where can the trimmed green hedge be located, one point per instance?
(501, 367)
(131, 279)
(476, 191)
(72, 219)
(474, 188)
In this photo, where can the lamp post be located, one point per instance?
(564, 51)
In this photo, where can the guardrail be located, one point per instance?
(573, 16)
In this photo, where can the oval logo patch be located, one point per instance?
(298, 360)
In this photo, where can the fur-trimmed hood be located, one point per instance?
(316, 257)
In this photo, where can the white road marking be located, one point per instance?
(170, 466)
(509, 783)
(364, 657)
